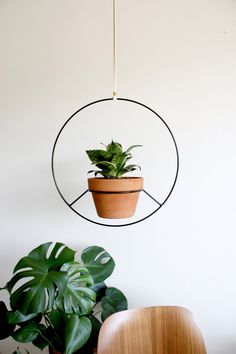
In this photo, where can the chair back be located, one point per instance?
(151, 330)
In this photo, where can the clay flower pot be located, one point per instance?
(115, 198)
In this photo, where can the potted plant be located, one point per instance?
(114, 195)
(60, 303)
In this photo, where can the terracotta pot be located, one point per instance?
(115, 198)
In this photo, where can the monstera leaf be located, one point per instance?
(43, 280)
(77, 332)
(100, 289)
(27, 333)
(92, 342)
(6, 328)
(78, 298)
(113, 301)
(58, 320)
(16, 317)
(99, 263)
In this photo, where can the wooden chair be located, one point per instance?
(151, 330)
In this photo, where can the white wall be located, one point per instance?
(177, 57)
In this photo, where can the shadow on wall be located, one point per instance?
(231, 348)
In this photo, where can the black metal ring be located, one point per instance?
(114, 192)
(160, 204)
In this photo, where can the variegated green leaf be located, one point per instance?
(78, 297)
(112, 161)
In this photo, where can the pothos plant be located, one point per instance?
(112, 162)
(60, 303)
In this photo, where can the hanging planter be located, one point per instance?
(113, 202)
(114, 196)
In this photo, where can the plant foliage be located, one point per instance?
(112, 162)
(53, 298)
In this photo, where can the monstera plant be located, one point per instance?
(115, 196)
(60, 303)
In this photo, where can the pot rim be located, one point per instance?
(116, 185)
(115, 179)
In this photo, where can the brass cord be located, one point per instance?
(114, 95)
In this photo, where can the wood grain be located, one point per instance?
(151, 330)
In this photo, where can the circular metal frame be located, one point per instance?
(159, 205)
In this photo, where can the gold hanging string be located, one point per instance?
(114, 53)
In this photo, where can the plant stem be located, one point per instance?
(49, 324)
(47, 340)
